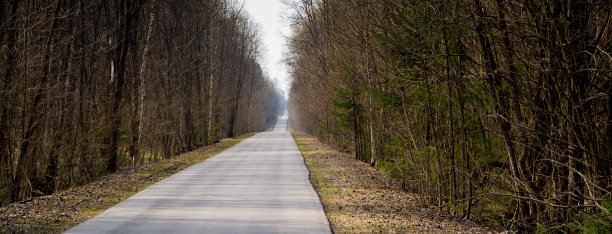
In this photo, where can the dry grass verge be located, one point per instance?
(58, 212)
(359, 199)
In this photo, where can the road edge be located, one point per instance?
(331, 226)
(63, 210)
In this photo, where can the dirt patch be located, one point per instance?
(359, 199)
(58, 212)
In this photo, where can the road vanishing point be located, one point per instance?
(260, 185)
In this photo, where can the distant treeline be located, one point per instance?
(88, 87)
(498, 111)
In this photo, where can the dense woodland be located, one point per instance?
(497, 111)
(90, 86)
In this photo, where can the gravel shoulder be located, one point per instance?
(360, 199)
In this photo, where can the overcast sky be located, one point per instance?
(271, 15)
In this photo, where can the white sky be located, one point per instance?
(270, 15)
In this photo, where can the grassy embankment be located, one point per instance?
(358, 198)
(60, 211)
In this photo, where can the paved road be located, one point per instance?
(258, 186)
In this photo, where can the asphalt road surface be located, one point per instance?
(258, 186)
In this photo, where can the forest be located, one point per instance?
(497, 111)
(89, 87)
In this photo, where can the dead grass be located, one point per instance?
(58, 212)
(359, 199)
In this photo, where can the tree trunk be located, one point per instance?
(34, 119)
(51, 180)
(142, 89)
(465, 153)
(6, 162)
(368, 55)
(126, 19)
(451, 130)
(490, 68)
